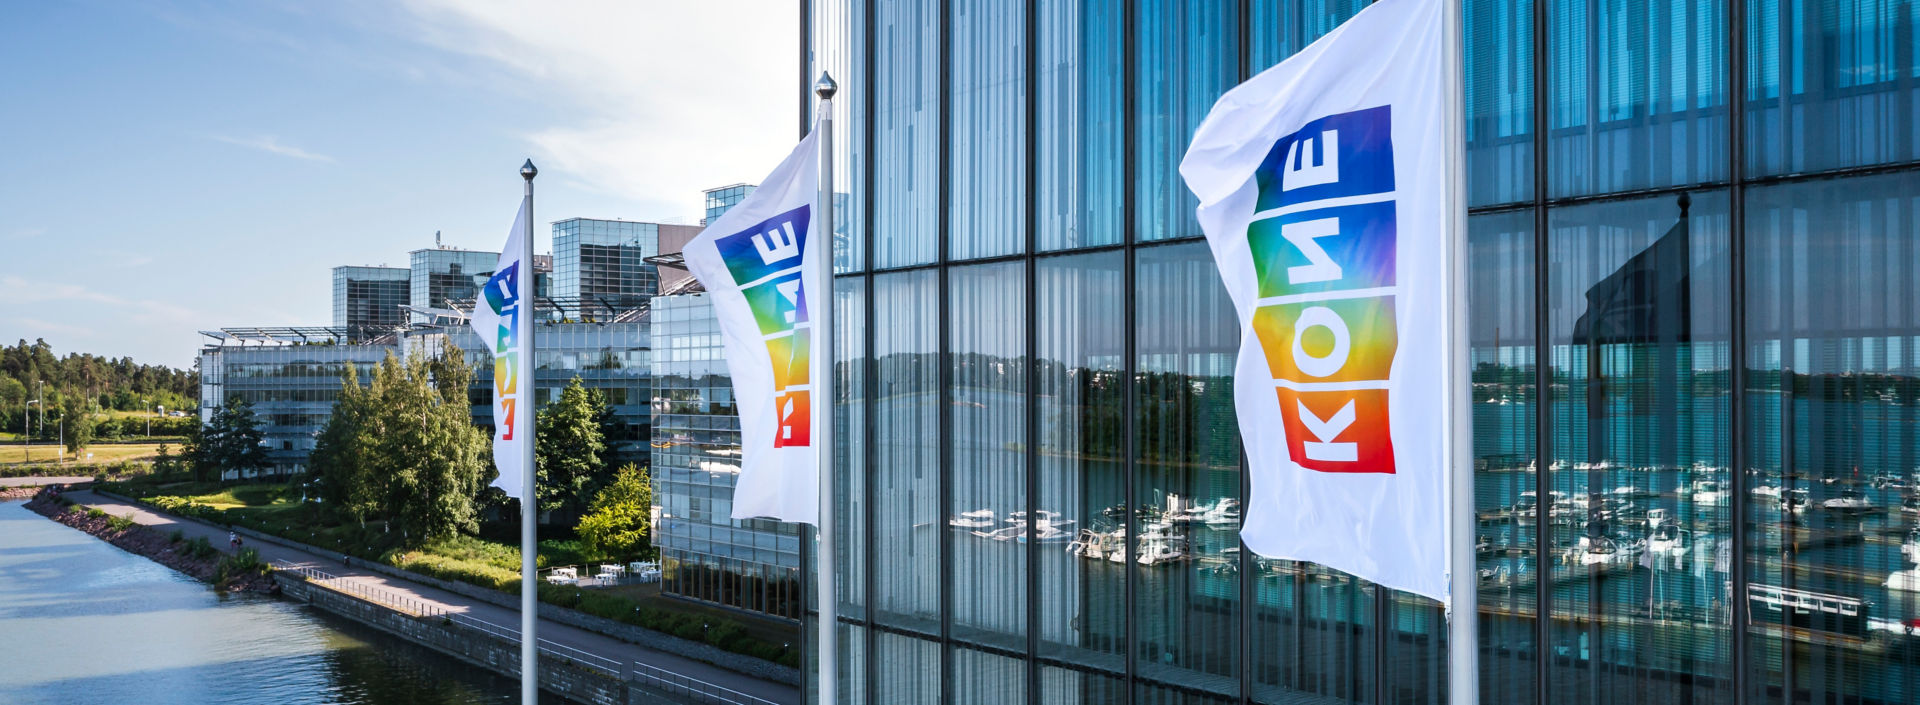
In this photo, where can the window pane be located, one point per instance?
(1187, 477)
(989, 128)
(1280, 28)
(1079, 124)
(906, 492)
(1638, 94)
(906, 133)
(1499, 122)
(1833, 314)
(1186, 57)
(1500, 313)
(1640, 451)
(988, 517)
(1082, 473)
(1830, 84)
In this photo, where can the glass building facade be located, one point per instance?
(719, 200)
(291, 386)
(368, 299)
(707, 555)
(442, 275)
(1695, 319)
(602, 262)
(611, 358)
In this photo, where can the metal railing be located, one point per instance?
(692, 687)
(652, 676)
(399, 603)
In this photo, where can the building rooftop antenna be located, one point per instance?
(436, 240)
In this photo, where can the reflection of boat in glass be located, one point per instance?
(1162, 547)
(1708, 493)
(1907, 580)
(1850, 501)
(1100, 546)
(1599, 549)
(976, 519)
(1911, 549)
(1889, 482)
(1910, 505)
(1767, 494)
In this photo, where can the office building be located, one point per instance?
(443, 274)
(290, 375)
(750, 564)
(720, 200)
(371, 300)
(604, 261)
(1699, 490)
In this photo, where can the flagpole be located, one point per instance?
(1463, 639)
(821, 311)
(529, 500)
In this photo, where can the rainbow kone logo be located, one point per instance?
(1323, 245)
(765, 261)
(502, 294)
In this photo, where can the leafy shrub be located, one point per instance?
(176, 536)
(200, 548)
(119, 523)
(95, 513)
(245, 563)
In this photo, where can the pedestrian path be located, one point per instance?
(427, 598)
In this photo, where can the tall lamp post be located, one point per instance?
(26, 427)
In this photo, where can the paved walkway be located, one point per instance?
(571, 637)
(40, 481)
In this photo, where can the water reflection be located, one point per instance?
(88, 623)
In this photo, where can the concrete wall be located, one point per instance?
(572, 681)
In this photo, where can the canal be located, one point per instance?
(84, 622)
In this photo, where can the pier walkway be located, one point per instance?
(751, 691)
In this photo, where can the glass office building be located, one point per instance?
(707, 555)
(442, 275)
(611, 358)
(290, 376)
(720, 200)
(368, 299)
(603, 261)
(1695, 301)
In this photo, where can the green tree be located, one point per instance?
(341, 462)
(193, 453)
(233, 439)
(79, 423)
(619, 524)
(424, 450)
(569, 448)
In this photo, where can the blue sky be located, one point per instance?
(178, 166)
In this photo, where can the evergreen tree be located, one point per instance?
(569, 448)
(618, 526)
(431, 456)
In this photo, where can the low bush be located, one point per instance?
(200, 548)
(246, 563)
(94, 513)
(176, 536)
(119, 523)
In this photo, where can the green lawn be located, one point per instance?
(102, 453)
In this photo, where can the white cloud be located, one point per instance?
(272, 145)
(666, 98)
(27, 233)
(21, 291)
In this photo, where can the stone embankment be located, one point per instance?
(17, 492)
(145, 542)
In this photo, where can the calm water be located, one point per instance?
(84, 622)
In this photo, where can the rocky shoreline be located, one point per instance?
(150, 544)
(17, 492)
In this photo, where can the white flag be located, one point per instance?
(1323, 196)
(753, 262)
(501, 313)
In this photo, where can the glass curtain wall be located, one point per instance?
(1693, 348)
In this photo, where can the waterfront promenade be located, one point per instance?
(555, 633)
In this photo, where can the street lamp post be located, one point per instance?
(26, 428)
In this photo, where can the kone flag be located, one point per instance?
(1323, 192)
(755, 264)
(502, 312)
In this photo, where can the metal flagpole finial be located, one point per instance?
(527, 171)
(825, 87)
